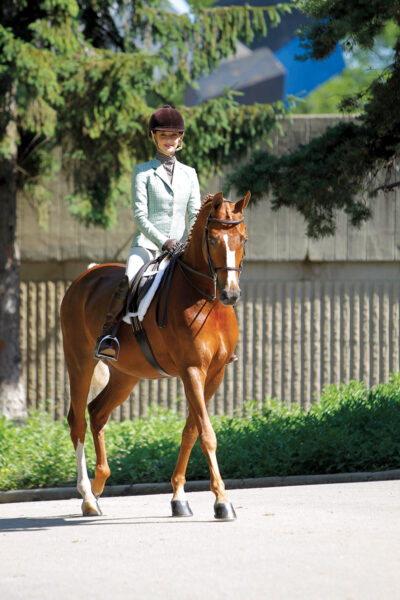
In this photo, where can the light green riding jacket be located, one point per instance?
(159, 207)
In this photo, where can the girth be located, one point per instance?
(145, 347)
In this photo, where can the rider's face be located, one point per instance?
(167, 141)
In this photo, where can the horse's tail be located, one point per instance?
(101, 375)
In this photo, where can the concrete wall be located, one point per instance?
(312, 313)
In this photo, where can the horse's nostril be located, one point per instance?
(229, 297)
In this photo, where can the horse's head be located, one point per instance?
(223, 248)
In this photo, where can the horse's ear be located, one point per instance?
(218, 200)
(240, 205)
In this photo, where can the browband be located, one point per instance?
(225, 221)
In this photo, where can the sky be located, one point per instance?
(180, 6)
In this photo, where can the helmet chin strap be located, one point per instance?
(180, 145)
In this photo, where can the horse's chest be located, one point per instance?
(223, 319)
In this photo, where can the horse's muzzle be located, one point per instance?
(229, 297)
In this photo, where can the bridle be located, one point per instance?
(212, 275)
(161, 319)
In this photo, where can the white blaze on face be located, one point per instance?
(232, 278)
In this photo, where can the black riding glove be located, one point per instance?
(171, 245)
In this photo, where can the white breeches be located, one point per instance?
(138, 256)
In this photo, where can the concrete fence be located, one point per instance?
(296, 336)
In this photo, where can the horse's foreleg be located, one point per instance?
(194, 382)
(179, 504)
(223, 508)
(115, 392)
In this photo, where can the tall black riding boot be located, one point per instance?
(107, 345)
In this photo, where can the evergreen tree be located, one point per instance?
(351, 162)
(363, 66)
(85, 75)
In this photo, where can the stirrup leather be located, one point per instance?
(114, 340)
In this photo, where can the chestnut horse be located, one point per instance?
(198, 340)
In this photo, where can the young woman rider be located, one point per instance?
(164, 191)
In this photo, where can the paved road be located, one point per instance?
(321, 542)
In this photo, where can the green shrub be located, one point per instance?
(350, 429)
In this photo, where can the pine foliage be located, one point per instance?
(351, 162)
(85, 75)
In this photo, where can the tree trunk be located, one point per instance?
(12, 392)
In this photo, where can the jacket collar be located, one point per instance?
(159, 169)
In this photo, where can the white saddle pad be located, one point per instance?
(146, 301)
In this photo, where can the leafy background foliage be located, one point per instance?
(85, 75)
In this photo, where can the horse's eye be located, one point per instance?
(212, 240)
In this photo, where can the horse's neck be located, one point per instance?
(193, 254)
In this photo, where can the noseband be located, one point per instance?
(212, 269)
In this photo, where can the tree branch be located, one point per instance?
(386, 187)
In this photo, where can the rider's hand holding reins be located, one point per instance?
(171, 245)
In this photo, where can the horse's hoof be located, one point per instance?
(224, 511)
(90, 509)
(181, 508)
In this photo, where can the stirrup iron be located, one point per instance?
(114, 340)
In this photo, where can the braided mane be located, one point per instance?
(204, 206)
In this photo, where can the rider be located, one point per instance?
(164, 191)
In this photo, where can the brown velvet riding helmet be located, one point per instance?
(166, 119)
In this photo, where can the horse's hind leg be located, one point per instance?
(116, 391)
(80, 377)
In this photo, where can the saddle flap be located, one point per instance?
(142, 282)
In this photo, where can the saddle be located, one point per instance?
(139, 288)
(142, 282)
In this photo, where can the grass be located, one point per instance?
(350, 429)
